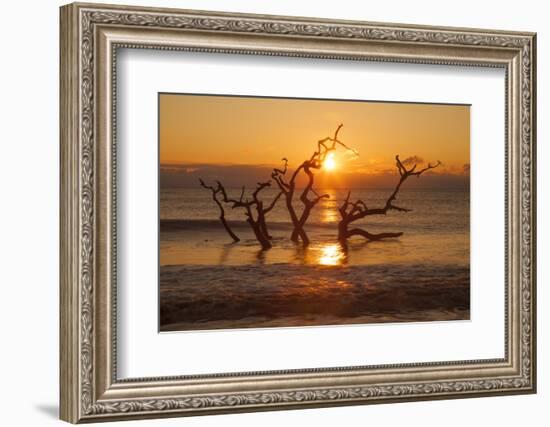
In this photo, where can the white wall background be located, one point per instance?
(29, 171)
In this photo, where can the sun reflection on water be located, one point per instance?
(329, 215)
(331, 254)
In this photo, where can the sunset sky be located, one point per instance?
(239, 139)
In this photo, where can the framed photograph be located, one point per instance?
(304, 230)
(264, 212)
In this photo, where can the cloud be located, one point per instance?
(413, 160)
(187, 175)
(235, 176)
(386, 171)
(350, 155)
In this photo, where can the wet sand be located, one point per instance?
(200, 297)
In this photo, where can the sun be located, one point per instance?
(329, 163)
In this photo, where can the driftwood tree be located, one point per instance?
(308, 196)
(261, 210)
(255, 210)
(353, 211)
(215, 192)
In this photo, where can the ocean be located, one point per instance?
(209, 282)
(437, 230)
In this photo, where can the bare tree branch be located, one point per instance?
(259, 187)
(257, 222)
(215, 192)
(288, 190)
(282, 171)
(315, 162)
(372, 236)
(273, 202)
(360, 210)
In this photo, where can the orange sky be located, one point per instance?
(226, 130)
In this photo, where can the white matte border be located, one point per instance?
(143, 352)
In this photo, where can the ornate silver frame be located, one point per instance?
(90, 36)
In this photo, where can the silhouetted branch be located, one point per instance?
(259, 187)
(321, 154)
(273, 202)
(288, 188)
(282, 171)
(371, 236)
(215, 192)
(261, 210)
(360, 210)
(257, 222)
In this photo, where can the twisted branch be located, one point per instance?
(360, 210)
(215, 191)
(258, 223)
(288, 189)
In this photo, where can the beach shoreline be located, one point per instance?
(202, 297)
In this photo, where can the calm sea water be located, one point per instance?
(436, 231)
